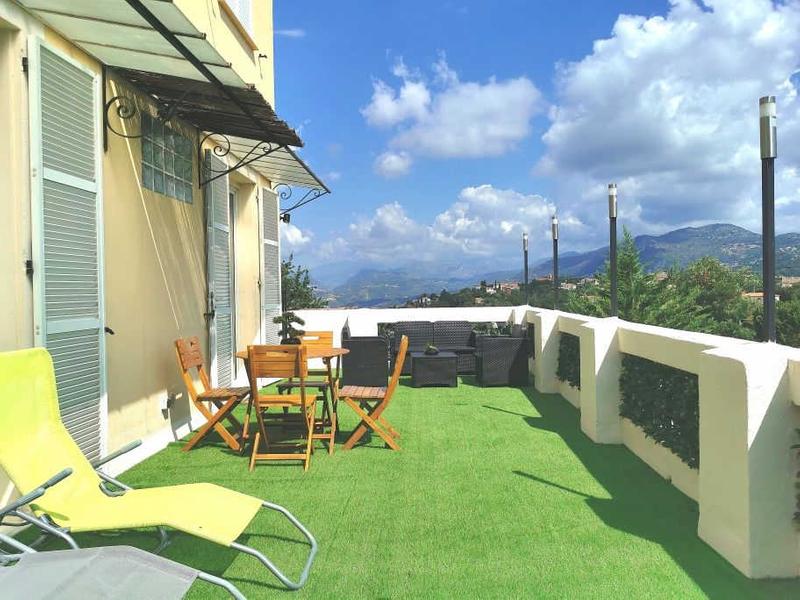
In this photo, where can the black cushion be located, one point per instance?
(419, 333)
(367, 363)
(452, 334)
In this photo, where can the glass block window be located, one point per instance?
(166, 160)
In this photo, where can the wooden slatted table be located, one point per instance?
(327, 354)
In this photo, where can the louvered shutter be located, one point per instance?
(67, 238)
(220, 280)
(270, 266)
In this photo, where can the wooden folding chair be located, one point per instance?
(370, 402)
(223, 399)
(288, 361)
(325, 426)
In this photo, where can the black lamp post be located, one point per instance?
(555, 260)
(769, 151)
(612, 247)
(525, 262)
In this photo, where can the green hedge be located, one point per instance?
(569, 359)
(664, 402)
(796, 448)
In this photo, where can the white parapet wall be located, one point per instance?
(749, 406)
(749, 395)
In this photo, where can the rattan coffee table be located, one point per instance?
(434, 369)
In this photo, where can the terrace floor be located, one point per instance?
(496, 494)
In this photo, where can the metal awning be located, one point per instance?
(283, 165)
(209, 109)
(152, 44)
(117, 35)
(278, 163)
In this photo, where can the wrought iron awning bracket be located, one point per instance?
(286, 192)
(258, 151)
(126, 108)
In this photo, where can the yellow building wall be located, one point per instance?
(16, 321)
(208, 16)
(155, 282)
(154, 251)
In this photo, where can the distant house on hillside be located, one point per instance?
(787, 281)
(757, 296)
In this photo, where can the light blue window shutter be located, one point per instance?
(68, 239)
(220, 275)
(270, 266)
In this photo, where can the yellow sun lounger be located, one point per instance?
(35, 445)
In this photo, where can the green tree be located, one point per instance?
(296, 287)
(634, 288)
(787, 322)
(706, 296)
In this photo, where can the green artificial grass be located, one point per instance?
(496, 494)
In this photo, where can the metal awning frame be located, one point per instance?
(284, 192)
(168, 35)
(223, 147)
(126, 109)
(248, 153)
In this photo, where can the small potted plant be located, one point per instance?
(287, 321)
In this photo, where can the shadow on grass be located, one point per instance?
(643, 504)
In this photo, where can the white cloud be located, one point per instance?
(445, 76)
(668, 108)
(483, 226)
(393, 164)
(450, 118)
(334, 176)
(291, 33)
(389, 107)
(292, 237)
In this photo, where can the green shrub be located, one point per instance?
(664, 402)
(569, 359)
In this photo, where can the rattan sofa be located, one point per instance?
(448, 336)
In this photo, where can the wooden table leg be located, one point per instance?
(334, 400)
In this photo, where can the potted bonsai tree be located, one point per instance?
(287, 321)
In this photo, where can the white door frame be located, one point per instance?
(37, 175)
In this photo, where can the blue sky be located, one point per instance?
(447, 128)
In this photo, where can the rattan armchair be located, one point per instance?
(502, 360)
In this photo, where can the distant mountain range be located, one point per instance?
(732, 245)
(376, 287)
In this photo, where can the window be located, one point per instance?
(241, 9)
(166, 160)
